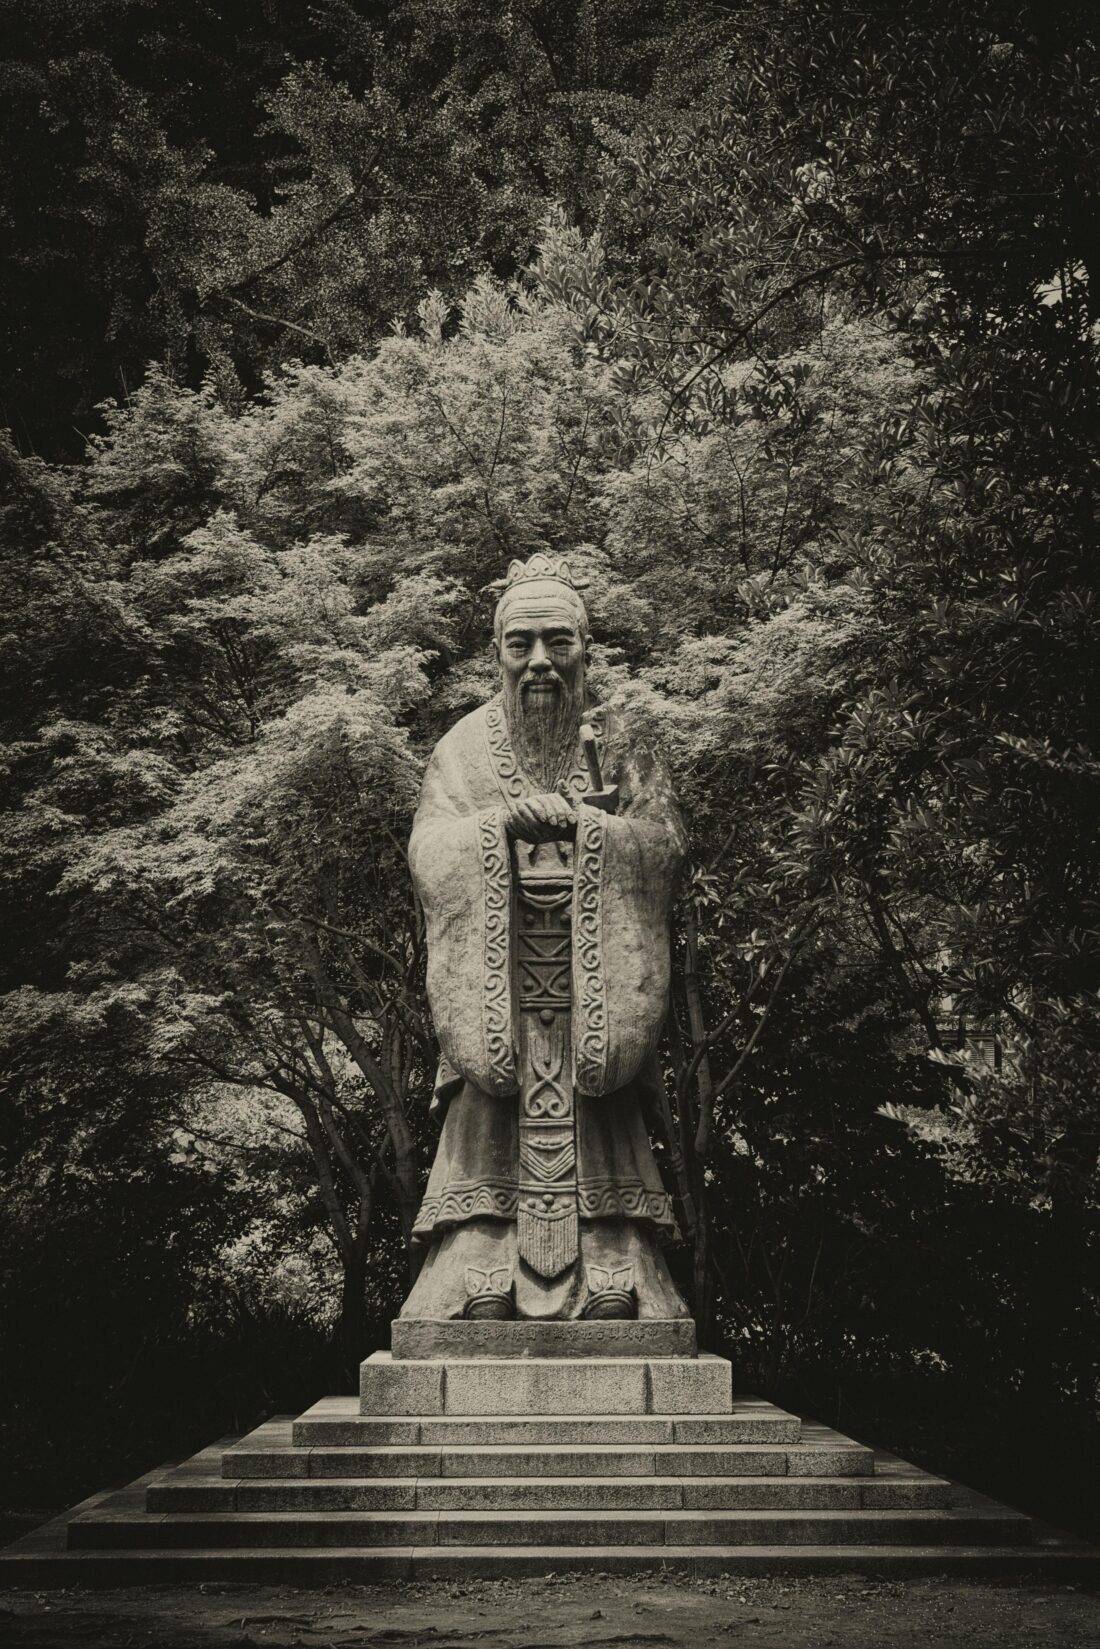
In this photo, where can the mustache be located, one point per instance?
(549, 678)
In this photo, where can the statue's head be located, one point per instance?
(540, 633)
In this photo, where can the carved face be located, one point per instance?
(542, 645)
(542, 648)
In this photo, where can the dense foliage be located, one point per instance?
(782, 321)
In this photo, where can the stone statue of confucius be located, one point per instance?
(545, 851)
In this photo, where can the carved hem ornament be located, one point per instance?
(625, 1202)
(499, 1200)
(487, 1199)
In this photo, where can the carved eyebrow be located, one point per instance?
(513, 632)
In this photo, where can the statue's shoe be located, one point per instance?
(611, 1305)
(490, 1307)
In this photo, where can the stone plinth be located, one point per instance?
(458, 1466)
(335, 1496)
(545, 1386)
(425, 1340)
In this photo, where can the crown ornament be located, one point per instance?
(537, 570)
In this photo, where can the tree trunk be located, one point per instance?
(391, 1103)
(405, 1170)
(696, 1148)
(702, 1271)
(351, 1337)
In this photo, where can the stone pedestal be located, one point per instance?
(544, 1368)
(545, 1385)
(497, 1457)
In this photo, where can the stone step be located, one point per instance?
(34, 1563)
(345, 1445)
(545, 1386)
(969, 1526)
(119, 1543)
(177, 1493)
(336, 1421)
(606, 1460)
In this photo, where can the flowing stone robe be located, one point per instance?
(548, 973)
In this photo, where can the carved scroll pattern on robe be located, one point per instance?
(503, 758)
(547, 1234)
(505, 763)
(496, 877)
(590, 1056)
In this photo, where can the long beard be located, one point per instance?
(543, 729)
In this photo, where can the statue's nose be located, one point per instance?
(540, 658)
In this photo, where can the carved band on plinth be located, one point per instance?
(416, 1339)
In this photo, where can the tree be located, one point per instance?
(225, 192)
(803, 369)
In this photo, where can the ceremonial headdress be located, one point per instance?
(540, 569)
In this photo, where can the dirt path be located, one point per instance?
(565, 1612)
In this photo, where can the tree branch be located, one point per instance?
(280, 320)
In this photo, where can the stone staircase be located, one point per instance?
(493, 1465)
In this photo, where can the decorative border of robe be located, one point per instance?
(496, 876)
(625, 871)
(460, 864)
(590, 1040)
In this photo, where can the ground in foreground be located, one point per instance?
(562, 1612)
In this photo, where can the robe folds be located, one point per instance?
(468, 875)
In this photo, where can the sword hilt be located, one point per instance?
(605, 797)
(591, 755)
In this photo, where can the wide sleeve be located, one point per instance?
(461, 869)
(627, 866)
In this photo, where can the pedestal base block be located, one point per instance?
(545, 1385)
(386, 1387)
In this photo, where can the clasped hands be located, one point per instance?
(545, 817)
